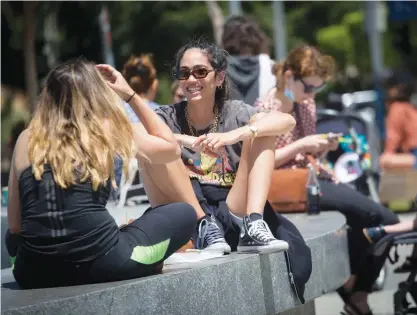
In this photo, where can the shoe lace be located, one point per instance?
(260, 230)
(210, 232)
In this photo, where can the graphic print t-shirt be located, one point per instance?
(220, 171)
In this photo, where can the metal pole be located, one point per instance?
(104, 22)
(280, 36)
(374, 28)
(235, 7)
(375, 25)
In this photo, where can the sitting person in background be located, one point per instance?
(401, 124)
(140, 74)
(400, 150)
(60, 232)
(303, 74)
(176, 92)
(249, 63)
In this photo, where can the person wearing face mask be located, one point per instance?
(303, 74)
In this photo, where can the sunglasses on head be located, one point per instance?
(185, 73)
(309, 88)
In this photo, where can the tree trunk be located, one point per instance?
(217, 20)
(31, 77)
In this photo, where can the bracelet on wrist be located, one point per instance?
(130, 98)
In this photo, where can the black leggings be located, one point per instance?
(141, 248)
(360, 212)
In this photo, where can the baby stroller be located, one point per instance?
(355, 162)
(408, 288)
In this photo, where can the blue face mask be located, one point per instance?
(289, 94)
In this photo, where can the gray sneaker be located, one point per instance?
(210, 237)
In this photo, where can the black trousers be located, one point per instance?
(213, 201)
(360, 212)
(142, 246)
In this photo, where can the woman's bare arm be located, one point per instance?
(19, 163)
(288, 153)
(153, 124)
(268, 124)
(153, 149)
(153, 138)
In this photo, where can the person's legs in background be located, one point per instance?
(374, 234)
(360, 212)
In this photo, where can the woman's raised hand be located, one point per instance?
(115, 81)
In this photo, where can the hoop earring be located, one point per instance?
(220, 87)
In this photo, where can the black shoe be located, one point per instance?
(374, 234)
(255, 236)
(345, 296)
(210, 236)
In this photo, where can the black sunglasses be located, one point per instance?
(198, 73)
(309, 88)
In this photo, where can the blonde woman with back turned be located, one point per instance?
(60, 232)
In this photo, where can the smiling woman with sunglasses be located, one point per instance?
(228, 150)
(300, 77)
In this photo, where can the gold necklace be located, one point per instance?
(206, 162)
(191, 128)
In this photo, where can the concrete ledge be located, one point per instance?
(234, 284)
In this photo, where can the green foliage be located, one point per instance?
(336, 41)
(161, 27)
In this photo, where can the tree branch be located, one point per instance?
(8, 13)
(217, 20)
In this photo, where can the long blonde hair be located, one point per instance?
(79, 127)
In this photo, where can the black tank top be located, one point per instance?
(71, 224)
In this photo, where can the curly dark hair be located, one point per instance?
(242, 35)
(400, 86)
(218, 60)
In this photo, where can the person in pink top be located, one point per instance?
(299, 77)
